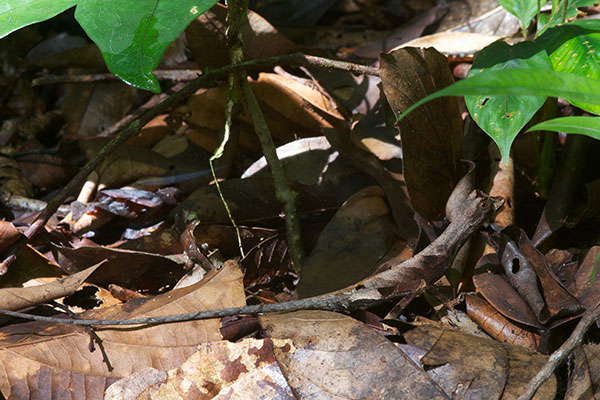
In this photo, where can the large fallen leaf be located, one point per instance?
(293, 108)
(44, 361)
(431, 137)
(337, 357)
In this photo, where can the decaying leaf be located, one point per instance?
(246, 370)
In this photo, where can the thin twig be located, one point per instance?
(331, 302)
(559, 356)
(134, 127)
(176, 75)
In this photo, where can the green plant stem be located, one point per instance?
(283, 191)
(563, 16)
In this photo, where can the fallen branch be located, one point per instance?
(399, 280)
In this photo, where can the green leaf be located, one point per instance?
(575, 48)
(525, 82)
(524, 10)
(133, 35)
(502, 117)
(15, 14)
(589, 126)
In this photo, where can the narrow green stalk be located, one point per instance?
(283, 191)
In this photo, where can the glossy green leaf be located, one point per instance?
(522, 82)
(589, 126)
(503, 116)
(15, 14)
(524, 10)
(525, 82)
(133, 35)
(575, 48)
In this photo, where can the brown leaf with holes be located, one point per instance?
(50, 361)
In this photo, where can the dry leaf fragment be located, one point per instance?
(19, 298)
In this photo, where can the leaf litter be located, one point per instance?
(149, 235)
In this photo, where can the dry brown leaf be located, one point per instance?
(90, 108)
(337, 357)
(499, 327)
(292, 108)
(351, 245)
(132, 269)
(499, 292)
(30, 264)
(8, 234)
(476, 367)
(431, 135)
(220, 370)
(19, 298)
(44, 361)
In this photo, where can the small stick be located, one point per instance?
(559, 356)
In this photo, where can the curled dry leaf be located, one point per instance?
(8, 234)
(44, 361)
(19, 298)
(499, 327)
(363, 365)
